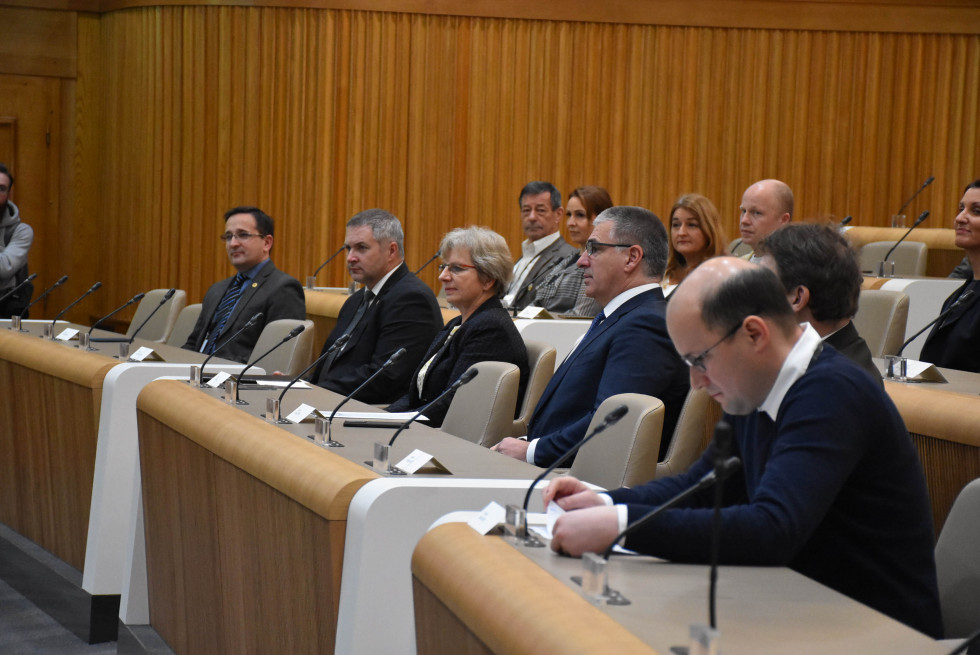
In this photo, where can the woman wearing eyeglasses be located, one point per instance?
(475, 272)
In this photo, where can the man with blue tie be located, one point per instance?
(627, 349)
(257, 287)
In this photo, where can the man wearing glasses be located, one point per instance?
(830, 483)
(626, 350)
(257, 287)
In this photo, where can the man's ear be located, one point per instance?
(758, 331)
(799, 299)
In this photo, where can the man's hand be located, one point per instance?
(585, 530)
(570, 493)
(516, 448)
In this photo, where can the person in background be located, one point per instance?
(766, 206)
(695, 235)
(953, 341)
(562, 290)
(16, 238)
(474, 274)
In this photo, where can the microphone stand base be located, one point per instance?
(609, 596)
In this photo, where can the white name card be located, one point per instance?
(300, 413)
(489, 517)
(218, 379)
(67, 334)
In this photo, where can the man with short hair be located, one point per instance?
(16, 238)
(822, 278)
(393, 310)
(830, 484)
(627, 349)
(257, 287)
(766, 206)
(544, 250)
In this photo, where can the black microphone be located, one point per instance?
(64, 278)
(91, 290)
(723, 448)
(612, 418)
(545, 270)
(966, 646)
(717, 474)
(247, 325)
(163, 301)
(339, 343)
(430, 260)
(735, 245)
(943, 315)
(292, 335)
(138, 297)
(467, 376)
(560, 267)
(846, 220)
(923, 216)
(329, 259)
(395, 356)
(28, 280)
(924, 185)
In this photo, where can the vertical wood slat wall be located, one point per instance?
(315, 114)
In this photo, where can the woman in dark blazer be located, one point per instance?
(955, 340)
(475, 272)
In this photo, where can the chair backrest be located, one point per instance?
(184, 325)
(692, 434)
(541, 366)
(910, 257)
(626, 453)
(293, 356)
(880, 320)
(483, 410)
(162, 323)
(737, 248)
(958, 564)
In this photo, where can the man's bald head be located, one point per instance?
(766, 205)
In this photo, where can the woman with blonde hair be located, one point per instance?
(695, 235)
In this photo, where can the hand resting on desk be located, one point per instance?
(589, 529)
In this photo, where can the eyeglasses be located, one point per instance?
(592, 246)
(4, 188)
(241, 236)
(697, 361)
(455, 269)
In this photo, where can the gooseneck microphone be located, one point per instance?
(920, 189)
(467, 376)
(252, 321)
(941, 316)
(723, 449)
(82, 297)
(163, 301)
(549, 266)
(846, 220)
(27, 280)
(735, 245)
(612, 418)
(64, 278)
(923, 216)
(138, 297)
(395, 356)
(429, 261)
(295, 332)
(329, 259)
(339, 343)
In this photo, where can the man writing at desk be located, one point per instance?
(830, 485)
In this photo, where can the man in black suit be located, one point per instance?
(544, 251)
(257, 287)
(627, 349)
(394, 309)
(822, 277)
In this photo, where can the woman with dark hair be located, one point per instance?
(562, 290)
(695, 235)
(475, 272)
(953, 342)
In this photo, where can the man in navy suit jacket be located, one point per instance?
(627, 349)
(393, 310)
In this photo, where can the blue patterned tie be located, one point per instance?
(228, 302)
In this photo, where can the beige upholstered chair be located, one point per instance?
(541, 366)
(483, 410)
(184, 325)
(881, 319)
(692, 434)
(162, 323)
(737, 248)
(910, 257)
(626, 453)
(958, 564)
(293, 356)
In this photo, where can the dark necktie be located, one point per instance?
(227, 304)
(358, 315)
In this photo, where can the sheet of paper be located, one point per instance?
(394, 417)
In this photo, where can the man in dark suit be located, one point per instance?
(822, 278)
(544, 251)
(257, 287)
(627, 349)
(830, 484)
(393, 310)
